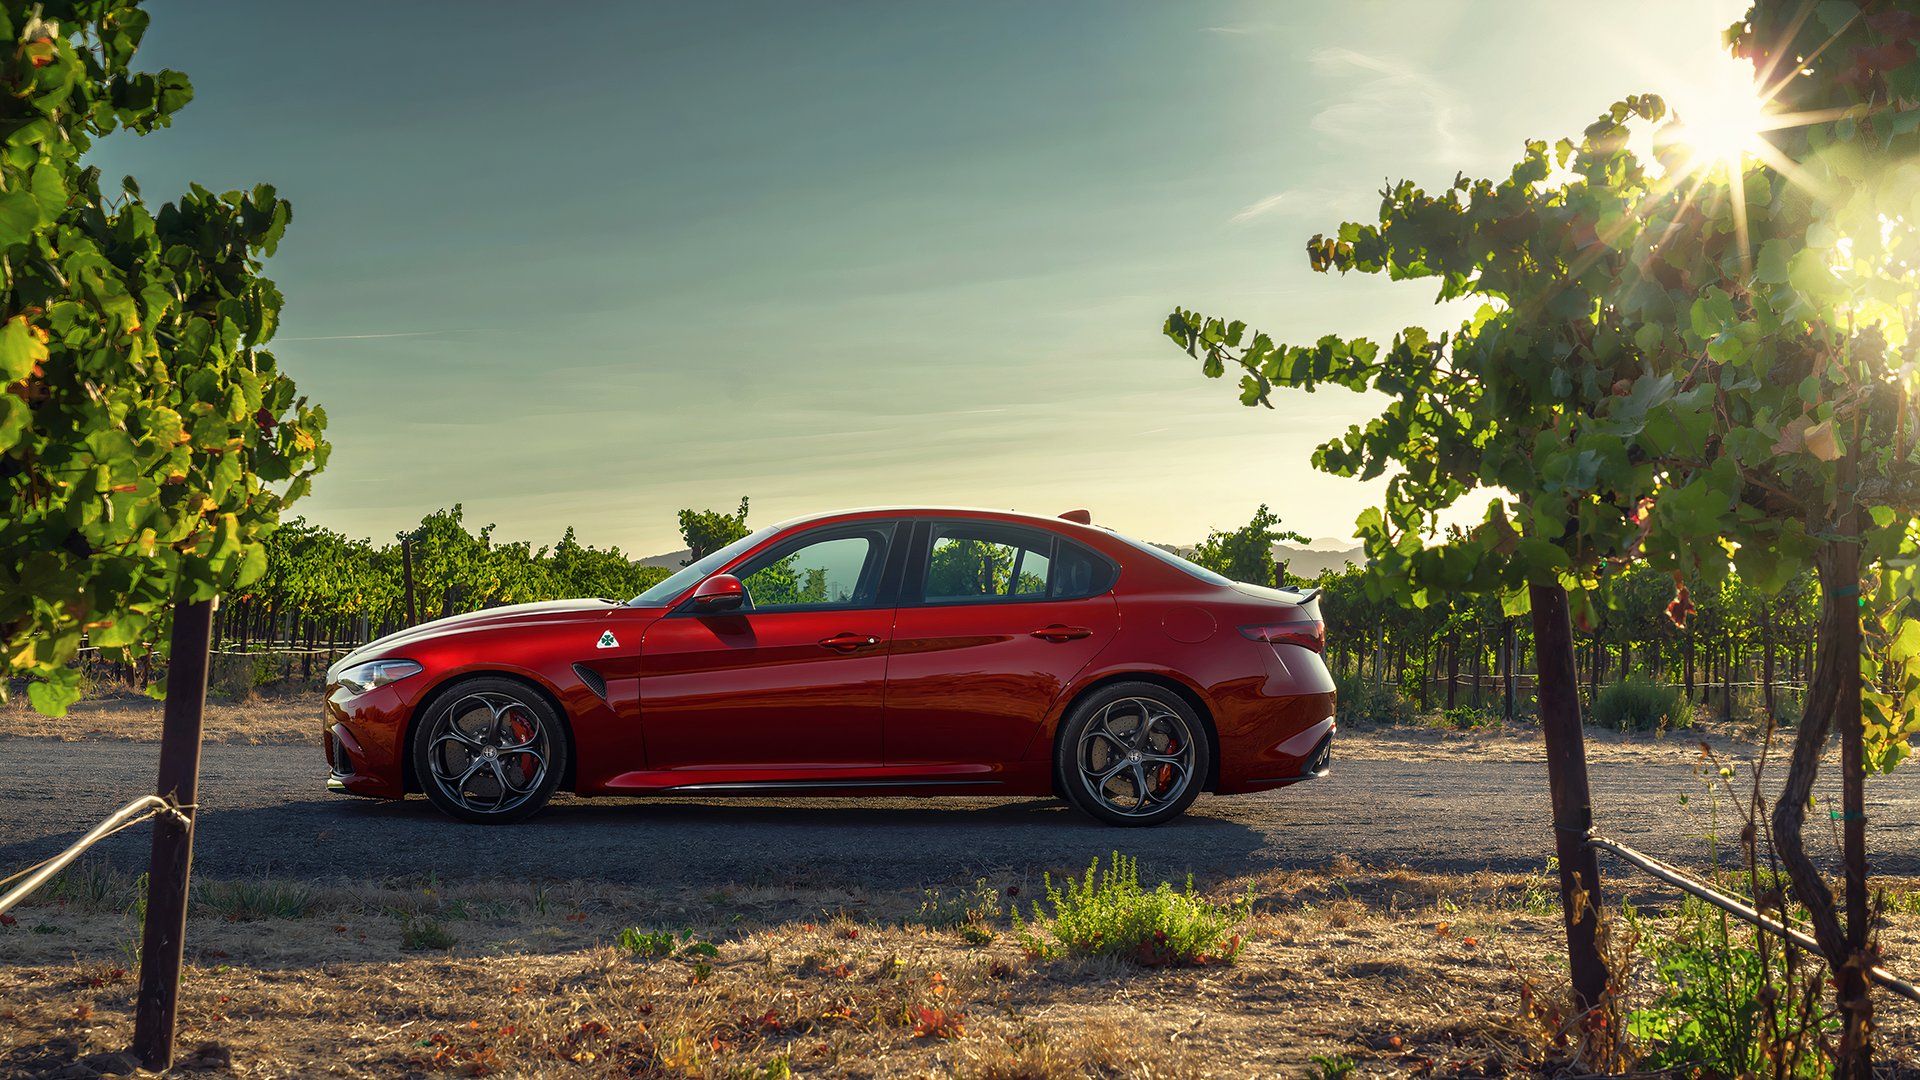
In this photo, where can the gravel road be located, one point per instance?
(265, 811)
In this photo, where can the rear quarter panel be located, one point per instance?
(1261, 698)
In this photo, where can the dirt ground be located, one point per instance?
(296, 720)
(1398, 972)
(1383, 969)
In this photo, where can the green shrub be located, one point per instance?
(1639, 704)
(230, 678)
(244, 901)
(425, 935)
(648, 942)
(1106, 913)
(658, 943)
(1719, 1008)
(942, 910)
(1334, 1066)
(1361, 702)
(1465, 718)
(90, 886)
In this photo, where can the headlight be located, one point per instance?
(361, 678)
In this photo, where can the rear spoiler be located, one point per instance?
(1305, 595)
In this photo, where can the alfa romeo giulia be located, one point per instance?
(907, 651)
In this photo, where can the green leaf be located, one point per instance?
(1516, 602)
(124, 630)
(49, 192)
(19, 216)
(13, 420)
(1771, 268)
(1836, 15)
(19, 350)
(52, 698)
(1906, 644)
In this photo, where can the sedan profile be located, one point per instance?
(903, 651)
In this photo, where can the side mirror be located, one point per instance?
(721, 592)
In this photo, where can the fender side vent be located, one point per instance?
(593, 680)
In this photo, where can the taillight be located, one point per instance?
(1307, 635)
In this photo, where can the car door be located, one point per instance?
(994, 622)
(794, 677)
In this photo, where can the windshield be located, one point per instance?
(684, 577)
(1171, 559)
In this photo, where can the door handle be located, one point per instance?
(848, 642)
(1057, 632)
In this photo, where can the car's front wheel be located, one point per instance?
(490, 750)
(1132, 753)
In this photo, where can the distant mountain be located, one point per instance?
(672, 560)
(1321, 555)
(1302, 562)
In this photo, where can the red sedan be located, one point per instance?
(908, 651)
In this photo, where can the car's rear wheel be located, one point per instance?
(490, 750)
(1132, 753)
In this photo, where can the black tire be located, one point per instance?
(1102, 732)
(517, 724)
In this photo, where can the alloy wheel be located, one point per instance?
(1136, 756)
(489, 752)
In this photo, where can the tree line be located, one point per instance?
(1466, 650)
(324, 590)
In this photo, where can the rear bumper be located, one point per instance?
(1317, 761)
(1290, 740)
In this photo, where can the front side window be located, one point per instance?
(840, 570)
(982, 561)
(683, 579)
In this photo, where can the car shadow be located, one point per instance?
(670, 842)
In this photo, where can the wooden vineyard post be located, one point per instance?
(1572, 801)
(163, 938)
(1856, 1040)
(1508, 658)
(406, 569)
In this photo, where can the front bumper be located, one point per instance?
(364, 736)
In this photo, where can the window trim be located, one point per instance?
(885, 567)
(913, 583)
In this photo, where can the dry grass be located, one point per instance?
(129, 718)
(1522, 743)
(1399, 970)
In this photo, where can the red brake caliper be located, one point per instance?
(522, 731)
(1164, 775)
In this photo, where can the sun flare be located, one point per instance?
(1720, 121)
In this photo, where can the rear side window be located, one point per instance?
(976, 562)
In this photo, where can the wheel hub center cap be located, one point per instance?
(1133, 756)
(490, 752)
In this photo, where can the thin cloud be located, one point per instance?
(1254, 210)
(1389, 100)
(1313, 202)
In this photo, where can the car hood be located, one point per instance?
(554, 611)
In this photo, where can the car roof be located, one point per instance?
(981, 512)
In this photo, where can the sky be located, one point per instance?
(586, 264)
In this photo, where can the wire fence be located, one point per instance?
(1746, 913)
(144, 808)
(318, 649)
